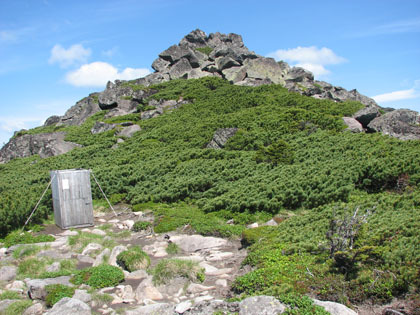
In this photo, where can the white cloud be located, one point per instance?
(110, 52)
(311, 58)
(414, 92)
(97, 74)
(67, 57)
(11, 124)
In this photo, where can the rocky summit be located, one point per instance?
(200, 55)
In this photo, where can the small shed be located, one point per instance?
(72, 198)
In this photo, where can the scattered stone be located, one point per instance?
(85, 259)
(138, 274)
(158, 309)
(82, 295)
(68, 233)
(334, 308)
(4, 304)
(16, 285)
(128, 224)
(272, 222)
(194, 288)
(193, 243)
(129, 131)
(98, 232)
(218, 272)
(70, 306)
(101, 257)
(264, 305)
(91, 247)
(146, 290)
(36, 287)
(127, 293)
(252, 226)
(217, 256)
(203, 298)
(7, 273)
(35, 309)
(101, 127)
(182, 307)
(114, 253)
(222, 282)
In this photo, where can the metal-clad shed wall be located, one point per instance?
(72, 198)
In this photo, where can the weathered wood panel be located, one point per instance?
(72, 198)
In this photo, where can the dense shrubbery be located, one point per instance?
(55, 292)
(308, 165)
(133, 259)
(99, 277)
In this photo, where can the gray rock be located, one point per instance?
(220, 137)
(85, 259)
(114, 253)
(366, 115)
(226, 62)
(100, 258)
(36, 287)
(180, 69)
(91, 247)
(44, 144)
(353, 125)
(272, 222)
(138, 274)
(196, 74)
(182, 307)
(213, 306)
(335, 308)
(4, 304)
(153, 309)
(161, 65)
(194, 39)
(174, 53)
(297, 74)
(82, 295)
(35, 309)
(234, 74)
(129, 131)
(193, 243)
(81, 111)
(54, 254)
(146, 290)
(70, 306)
(254, 82)
(264, 68)
(151, 114)
(51, 121)
(7, 273)
(403, 124)
(264, 305)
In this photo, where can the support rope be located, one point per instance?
(103, 193)
(39, 201)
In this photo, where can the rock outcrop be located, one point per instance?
(45, 144)
(403, 124)
(220, 137)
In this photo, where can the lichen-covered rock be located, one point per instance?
(234, 74)
(44, 144)
(220, 137)
(298, 74)
(81, 111)
(36, 287)
(264, 68)
(403, 124)
(129, 131)
(180, 69)
(101, 127)
(7, 273)
(51, 121)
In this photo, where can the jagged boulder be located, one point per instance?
(81, 111)
(51, 121)
(220, 137)
(180, 69)
(264, 68)
(298, 74)
(44, 144)
(129, 131)
(70, 306)
(334, 308)
(366, 115)
(403, 124)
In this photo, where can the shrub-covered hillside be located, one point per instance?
(290, 157)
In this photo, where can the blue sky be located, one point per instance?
(53, 52)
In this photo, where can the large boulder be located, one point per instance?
(403, 124)
(366, 115)
(101, 127)
(180, 69)
(193, 243)
(44, 144)
(335, 308)
(70, 306)
(7, 273)
(220, 137)
(36, 287)
(264, 68)
(353, 125)
(129, 131)
(297, 74)
(81, 111)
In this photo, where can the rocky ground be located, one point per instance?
(220, 259)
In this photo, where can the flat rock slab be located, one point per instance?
(36, 287)
(193, 243)
(335, 308)
(262, 305)
(69, 306)
(153, 309)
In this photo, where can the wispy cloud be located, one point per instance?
(311, 58)
(399, 95)
(97, 74)
(14, 35)
(110, 52)
(75, 54)
(395, 27)
(10, 124)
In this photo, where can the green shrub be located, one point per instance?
(55, 292)
(10, 295)
(99, 277)
(31, 267)
(17, 307)
(19, 237)
(116, 198)
(205, 50)
(251, 236)
(140, 226)
(172, 248)
(133, 259)
(276, 153)
(168, 269)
